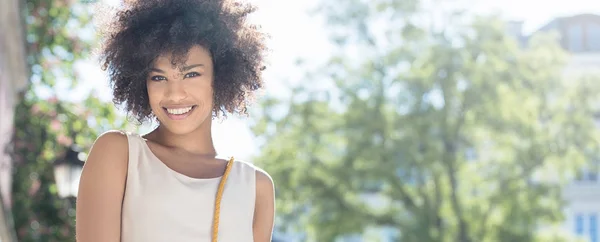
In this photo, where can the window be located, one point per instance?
(589, 172)
(593, 228)
(586, 176)
(579, 224)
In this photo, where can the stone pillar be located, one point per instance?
(13, 78)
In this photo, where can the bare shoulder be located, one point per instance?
(109, 153)
(110, 141)
(264, 209)
(263, 179)
(264, 182)
(101, 188)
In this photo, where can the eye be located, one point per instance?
(192, 74)
(158, 78)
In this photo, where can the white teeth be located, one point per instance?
(178, 110)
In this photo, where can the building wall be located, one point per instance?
(584, 63)
(580, 36)
(583, 211)
(579, 33)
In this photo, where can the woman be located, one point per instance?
(182, 63)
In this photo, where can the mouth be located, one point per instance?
(179, 113)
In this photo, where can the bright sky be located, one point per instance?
(536, 13)
(296, 34)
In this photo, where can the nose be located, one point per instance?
(175, 91)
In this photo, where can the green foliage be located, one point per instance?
(449, 134)
(55, 32)
(45, 127)
(44, 130)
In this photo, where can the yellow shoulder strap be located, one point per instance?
(218, 200)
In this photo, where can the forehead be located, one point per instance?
(195, 55)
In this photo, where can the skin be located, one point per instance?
(184, 145)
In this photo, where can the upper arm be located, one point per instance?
(101, 189)
(264, 209)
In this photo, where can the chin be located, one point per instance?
(180, 129)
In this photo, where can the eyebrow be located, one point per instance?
(185, 68)
(157, 70)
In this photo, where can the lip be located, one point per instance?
(178, 106)
(179, 116)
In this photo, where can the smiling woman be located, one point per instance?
(181, 63)
(179, 94)
(236, 49)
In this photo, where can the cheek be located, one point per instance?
(154, 94)
(203, 91)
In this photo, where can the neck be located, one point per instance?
(198, 142)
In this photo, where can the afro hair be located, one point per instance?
(144, 30)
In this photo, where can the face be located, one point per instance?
(182, 97)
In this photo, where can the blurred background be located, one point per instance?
(382, 120)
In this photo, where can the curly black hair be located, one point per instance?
(145, 29)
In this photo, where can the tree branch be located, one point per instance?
(450, 137)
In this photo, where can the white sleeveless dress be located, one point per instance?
(162, 205)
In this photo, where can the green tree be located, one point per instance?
(59, 33)
(438, 132)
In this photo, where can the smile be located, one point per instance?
(179, 113)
